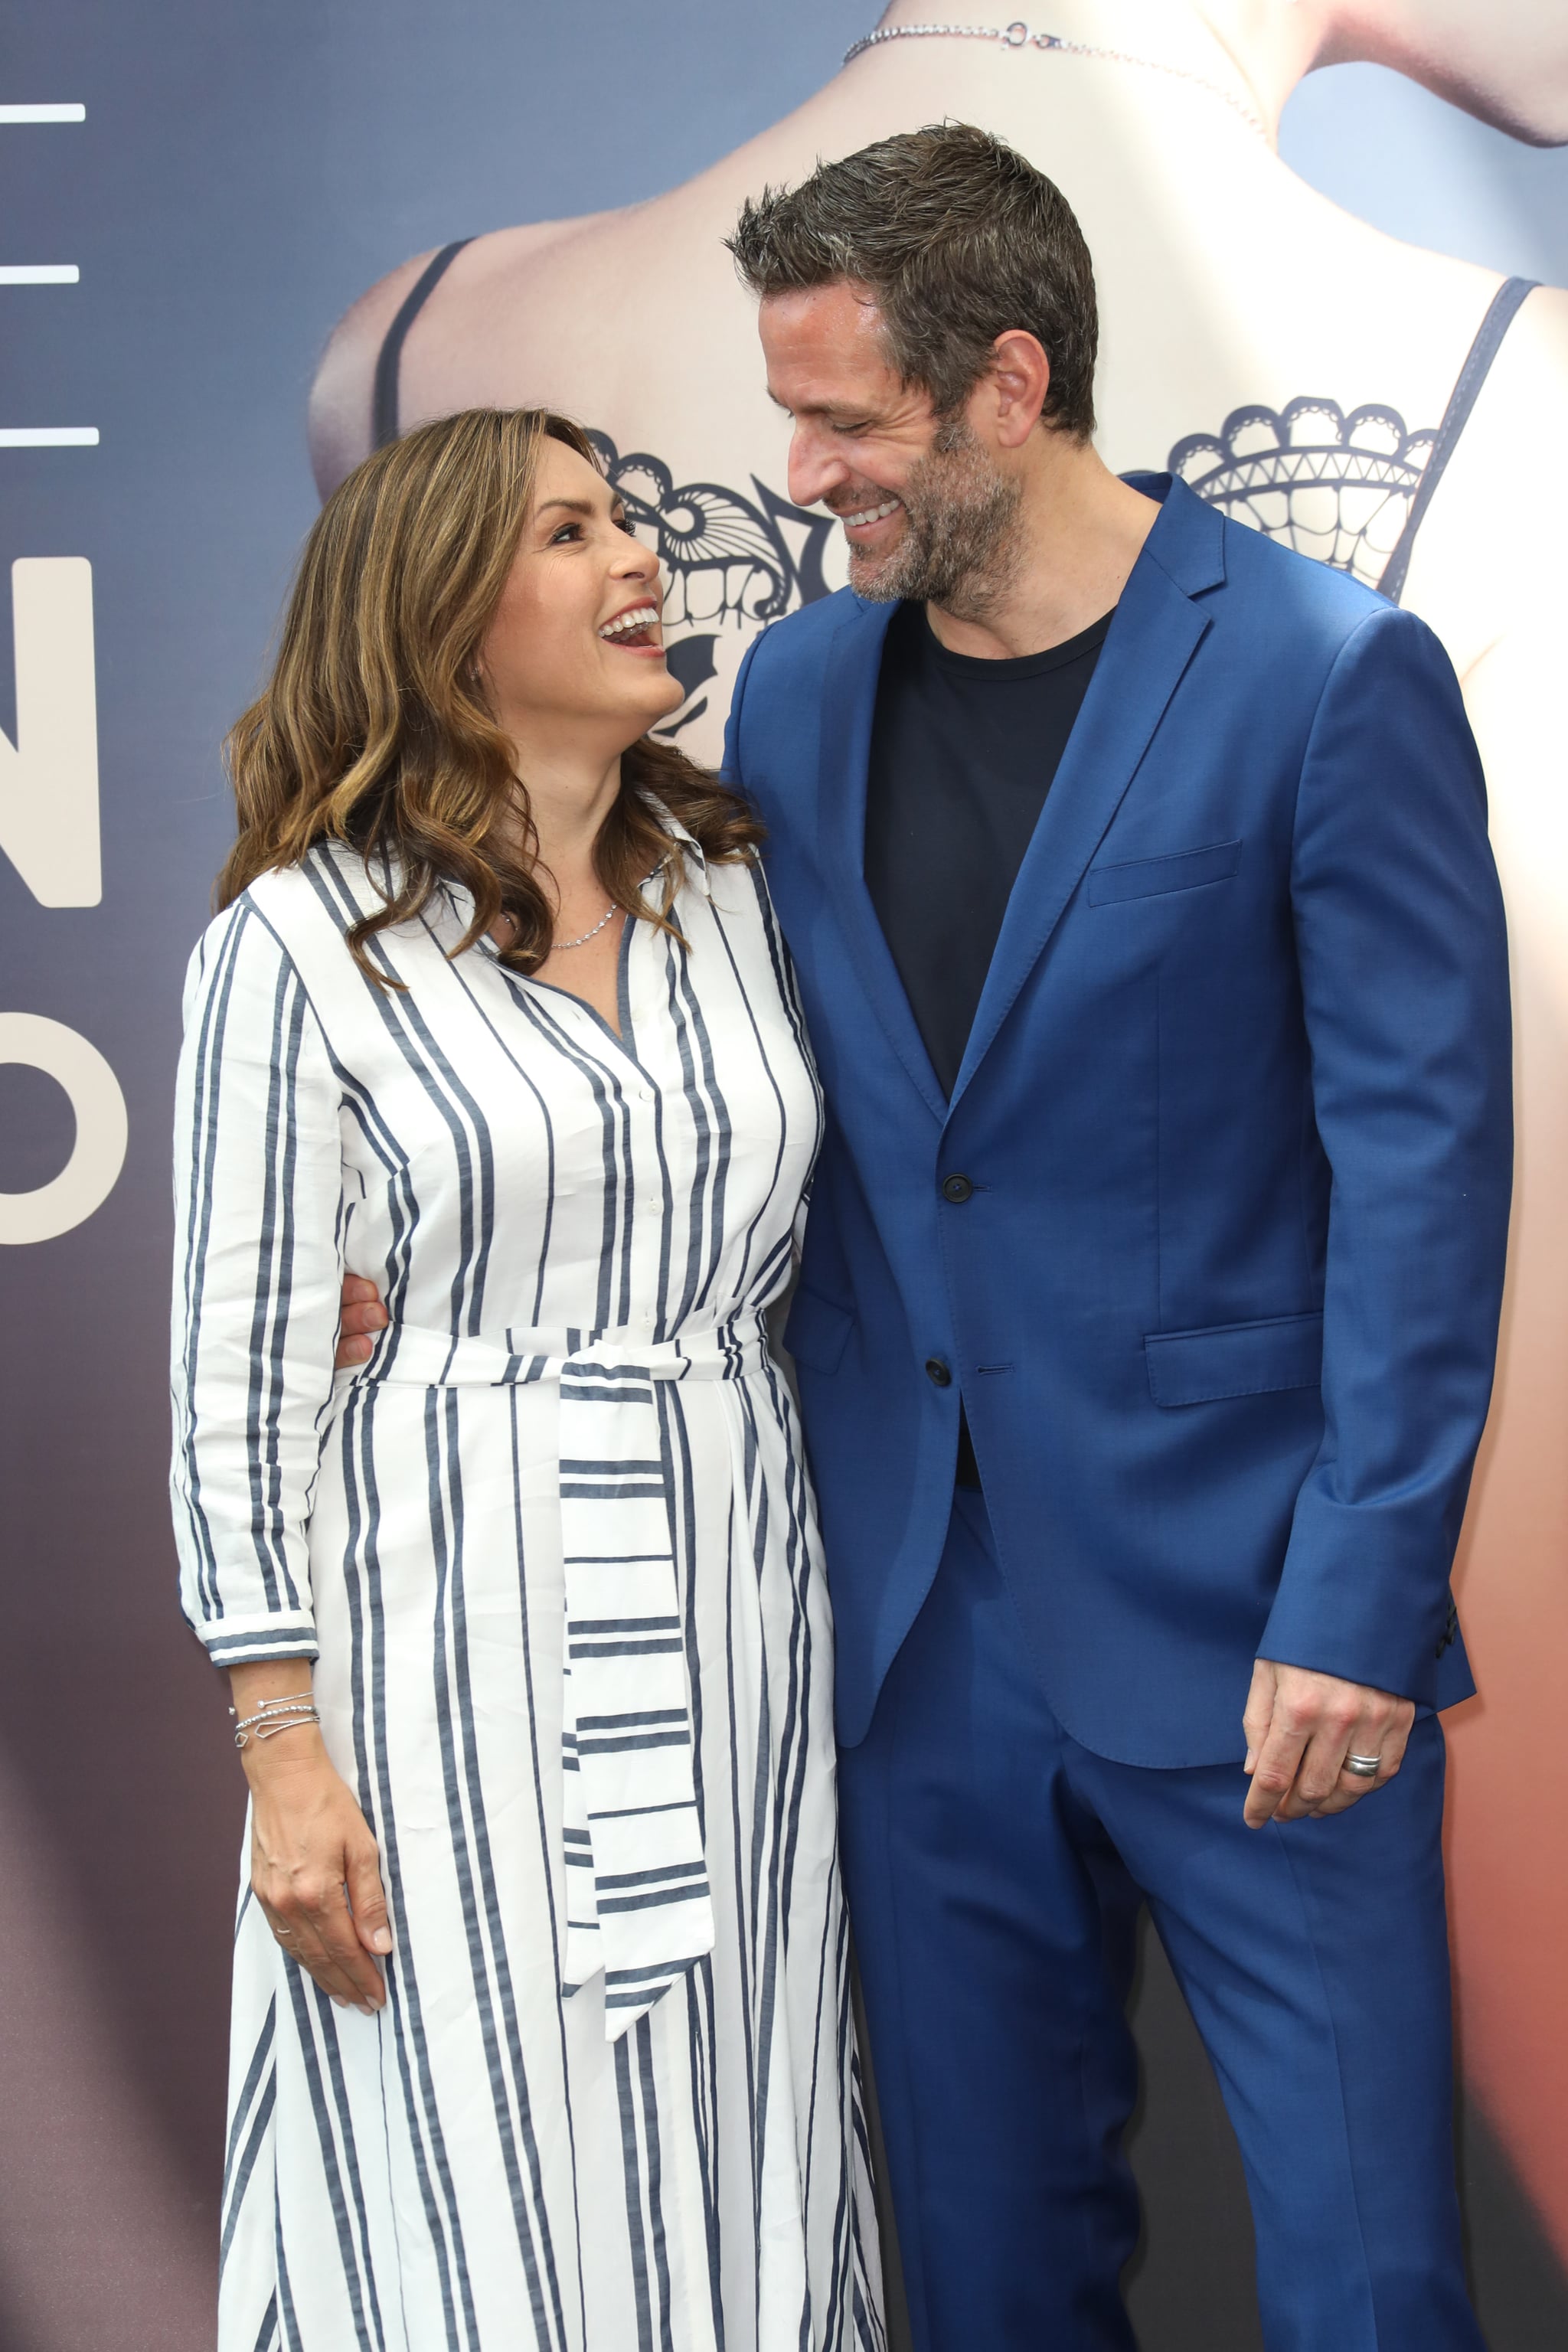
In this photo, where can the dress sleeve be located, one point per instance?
(259, 1267)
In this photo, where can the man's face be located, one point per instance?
(927, 510)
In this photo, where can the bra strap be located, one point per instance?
(1500, 316)
(384, 420)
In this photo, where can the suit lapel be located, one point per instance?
(848, 708)
(1156, 630)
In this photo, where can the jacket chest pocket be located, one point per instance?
(1149, 878)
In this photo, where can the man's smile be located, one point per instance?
(870, 517)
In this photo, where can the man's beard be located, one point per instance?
(958, 548)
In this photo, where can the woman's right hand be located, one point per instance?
(314, 1866)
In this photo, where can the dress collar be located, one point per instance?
(691, 848)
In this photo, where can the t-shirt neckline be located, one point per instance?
(978, 665)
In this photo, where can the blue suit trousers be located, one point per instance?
(994, 1869)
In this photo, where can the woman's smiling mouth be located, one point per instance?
(634, 630)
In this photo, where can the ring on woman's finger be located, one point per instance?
(1364, 1767)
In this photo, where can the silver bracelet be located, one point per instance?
(275, 1715)
(270, 1729)
(271, 1705)
(273, 1724)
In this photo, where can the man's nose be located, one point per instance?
(815, 467)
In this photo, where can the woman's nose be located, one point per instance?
(637, 561)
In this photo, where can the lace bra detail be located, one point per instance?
(1350, 490)
(1331, 486)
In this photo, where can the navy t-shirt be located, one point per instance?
(963, 754)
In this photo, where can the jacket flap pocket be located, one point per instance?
(1235, 1359)
(817, 1332)
(1142, 877)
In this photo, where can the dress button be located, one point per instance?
(956, 1188)
(938, 1374)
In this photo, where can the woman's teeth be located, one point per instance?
(872, 514)
(628, 624)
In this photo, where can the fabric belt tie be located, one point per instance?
(638, 1906)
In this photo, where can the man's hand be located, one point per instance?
(364, 1314)
(1299, 1728)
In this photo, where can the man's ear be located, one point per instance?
(1019, 379)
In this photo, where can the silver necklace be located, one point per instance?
(564, 944)
(613, 910)
(1017, 36)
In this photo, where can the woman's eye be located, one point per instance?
(622, 522)
(567, 531)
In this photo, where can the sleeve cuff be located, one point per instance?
(243, 1640)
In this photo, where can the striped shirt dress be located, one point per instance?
(553, 1553)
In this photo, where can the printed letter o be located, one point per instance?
(89, 1175)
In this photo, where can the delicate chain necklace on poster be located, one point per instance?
(1017, 36)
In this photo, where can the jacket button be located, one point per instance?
(956, 1188)
(938, 1374)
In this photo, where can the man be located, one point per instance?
(1136, 876)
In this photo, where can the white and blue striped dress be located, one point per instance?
(554, 1551)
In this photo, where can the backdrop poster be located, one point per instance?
(203, 207)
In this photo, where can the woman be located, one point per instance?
(541, 2014)
(1240, 310)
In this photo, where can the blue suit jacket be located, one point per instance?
(1222, 1301)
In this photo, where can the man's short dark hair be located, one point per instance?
(959, 240)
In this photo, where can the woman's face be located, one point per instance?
(576, 642)
(1503, 60)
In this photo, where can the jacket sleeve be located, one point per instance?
(258, 1265)
(1403, 972)
(729, 767)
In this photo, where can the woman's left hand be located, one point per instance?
(315, 1869)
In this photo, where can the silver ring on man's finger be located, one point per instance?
(1365, 1767)
(283, 1933)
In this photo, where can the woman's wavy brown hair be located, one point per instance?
(373, 730)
